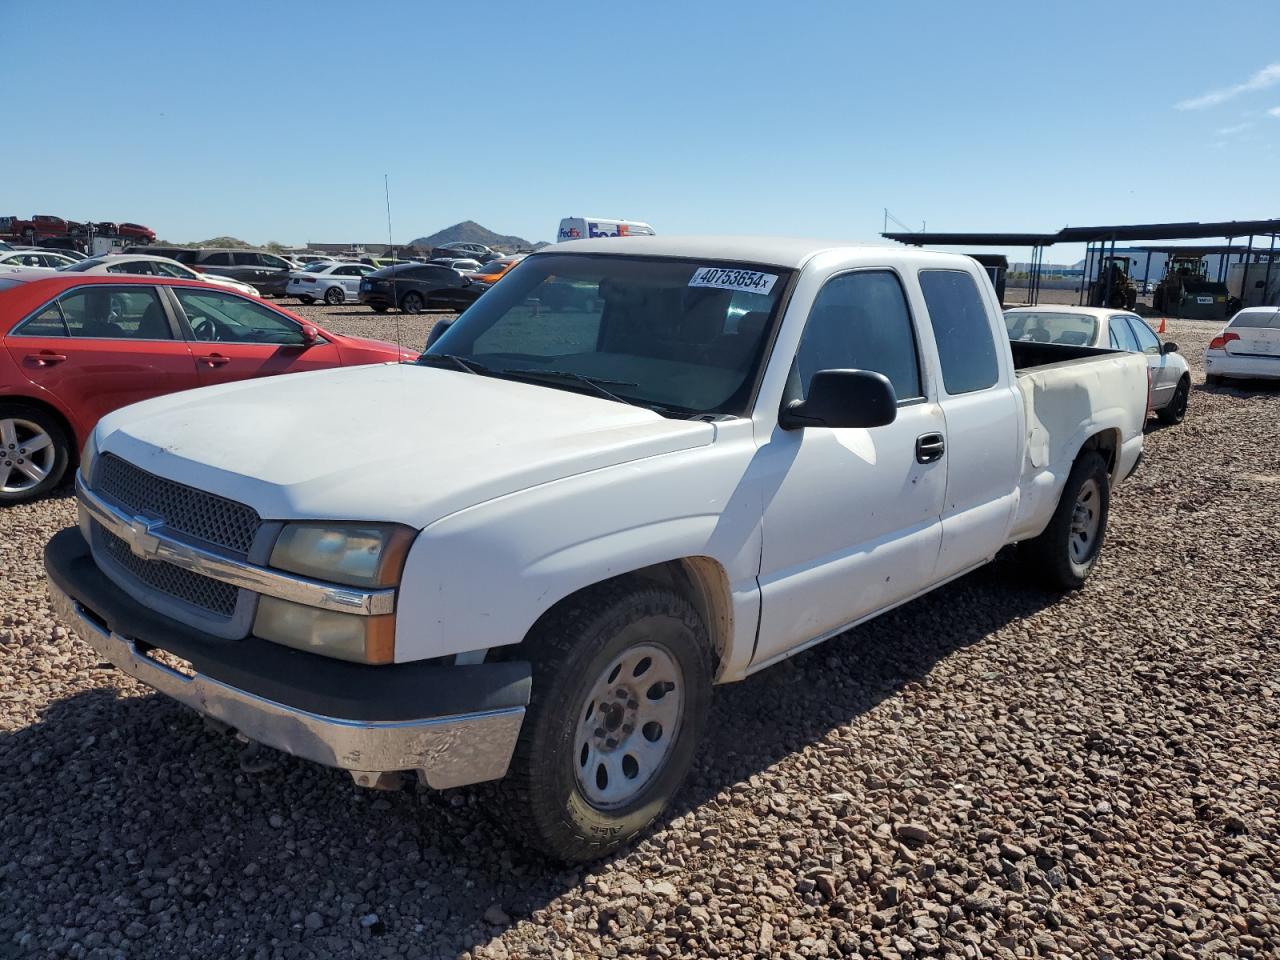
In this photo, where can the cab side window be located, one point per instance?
(860, 321)
(961, 329)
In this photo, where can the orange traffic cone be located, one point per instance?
(1162, 326)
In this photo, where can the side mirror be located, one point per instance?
(438, 330)
(1169, 348)
(843, 398)
(309, 334)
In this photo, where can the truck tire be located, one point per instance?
(1176, 409)
(1065, 553)
(34, 452)
(621, 685)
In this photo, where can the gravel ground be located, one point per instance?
(989, 771)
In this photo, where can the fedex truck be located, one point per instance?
(582, 228)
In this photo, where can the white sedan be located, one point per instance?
(333, 283)
(1170, 377)
(35, 259)
(1248, 347)
(145, 264)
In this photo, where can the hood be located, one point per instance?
(391, 442)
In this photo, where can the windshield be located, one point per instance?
(1077, 329)
(492, 268)
(679, 335)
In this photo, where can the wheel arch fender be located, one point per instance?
(482, 591)
(55, 410)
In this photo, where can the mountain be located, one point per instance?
(471, 232)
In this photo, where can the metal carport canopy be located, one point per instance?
(974, 239)
(1168, 231)
(1122, 231)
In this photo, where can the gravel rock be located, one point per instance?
(1092, 775)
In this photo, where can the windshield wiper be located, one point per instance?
(466, 366)
(597, 384)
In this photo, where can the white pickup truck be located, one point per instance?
(532, 553)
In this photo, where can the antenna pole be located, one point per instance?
(386, 190)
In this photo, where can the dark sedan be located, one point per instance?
(414, 287)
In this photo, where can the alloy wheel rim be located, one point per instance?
(1086, 518)
(27, 454)
(628, 725)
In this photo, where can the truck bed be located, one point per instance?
(1028, 354)
(1071, 393)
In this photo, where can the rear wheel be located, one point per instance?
(1177, 407)
(334, 296)
(621, 686)
(412, 303)
(1063, 556)
(1212, 380)
(34, 452)
(306, 299)
(379, 309)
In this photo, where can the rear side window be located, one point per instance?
(103, 313)
(962, 330)
(246, 260)
(216, 260)
(860, 321)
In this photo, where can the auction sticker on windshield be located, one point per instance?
(722, 278)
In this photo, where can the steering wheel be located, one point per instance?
(207, 329)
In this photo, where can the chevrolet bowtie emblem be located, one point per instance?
(143, 541)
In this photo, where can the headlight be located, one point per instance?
(355, 554)
(366, 555)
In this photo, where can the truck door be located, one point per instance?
(983, 413)
(851, 516)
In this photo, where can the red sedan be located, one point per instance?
(77, 346)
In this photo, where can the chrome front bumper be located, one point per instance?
(445, 751)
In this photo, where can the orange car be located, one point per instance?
(494, 270)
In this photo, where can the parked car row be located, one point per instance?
(75, 346)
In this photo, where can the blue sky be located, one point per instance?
(277, 121)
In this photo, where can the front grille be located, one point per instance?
(204, 516)
(212, 595)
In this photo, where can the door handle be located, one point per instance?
(46, 358)
(930, 447)
(215, 360)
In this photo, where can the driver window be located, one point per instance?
(860, 321)
(214, 315)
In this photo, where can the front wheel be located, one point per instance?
(621, 685)
(34, 452)
(1177, 407)
(1064, 555)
